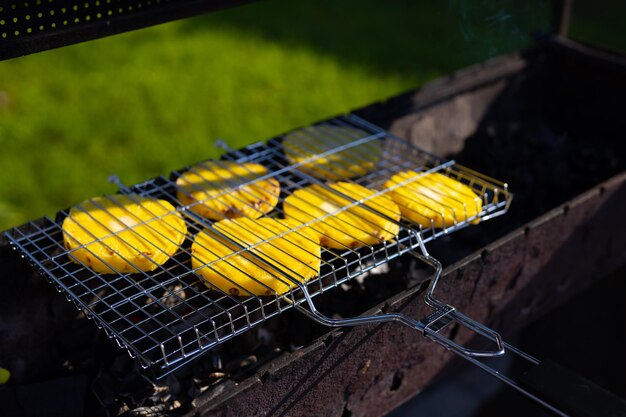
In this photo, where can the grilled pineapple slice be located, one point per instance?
(433, 199)
(263, 269)
(306, 146)
(373, 221)
(123, 233)
(223, 189)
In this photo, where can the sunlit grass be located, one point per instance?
(151, 101)
(600, 24)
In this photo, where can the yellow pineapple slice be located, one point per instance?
(123, 233)
(372, 221)
(263, 269)
(433, 199)
(306, 145)
(224, 189)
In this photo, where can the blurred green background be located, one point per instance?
(148, 102)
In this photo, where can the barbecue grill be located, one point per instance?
(167, 318)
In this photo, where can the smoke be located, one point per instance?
(494, 27)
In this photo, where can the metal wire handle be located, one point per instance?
(431, 325)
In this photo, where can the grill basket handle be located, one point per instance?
(432, 325)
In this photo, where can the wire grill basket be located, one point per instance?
(168, 316)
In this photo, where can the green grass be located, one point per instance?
(600, 23)
(151, 101)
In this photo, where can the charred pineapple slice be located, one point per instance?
(433, 199)
(263, 269)
(224, 189)
(123, 233)
(307, 145)
(370, 222)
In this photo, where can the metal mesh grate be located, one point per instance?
(170, 315)
(37, 25)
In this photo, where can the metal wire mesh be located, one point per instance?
(28, 26)
(169, 315)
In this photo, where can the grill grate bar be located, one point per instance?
(170, 315)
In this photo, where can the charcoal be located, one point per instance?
(415, 274)
(196, 389)
(264, 336)
(150, 411)
(240, 363)
(217, 375)
(212, 393)
(200, 385)
(543, 162)
(104, 388)
(121, 365)
(81, 361)
(135, 387)
(217, 361)
(173, 384)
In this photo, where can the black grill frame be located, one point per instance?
(32, 26)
